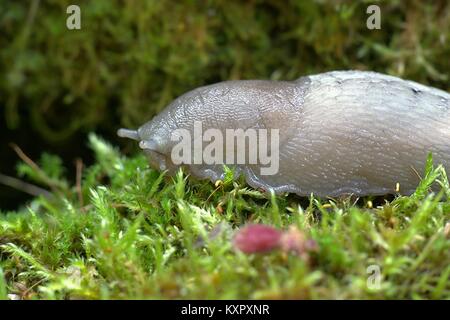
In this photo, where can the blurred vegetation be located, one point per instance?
(131, 58)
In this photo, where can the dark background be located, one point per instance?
(131, 58)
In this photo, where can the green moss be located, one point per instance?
(133, 232)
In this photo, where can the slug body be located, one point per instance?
(339, 132)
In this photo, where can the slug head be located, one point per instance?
(155, 136)
(226, 105)
(154, 140)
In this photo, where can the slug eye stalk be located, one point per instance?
(148, 145)
(127, 133)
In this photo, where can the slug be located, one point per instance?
(340, 132)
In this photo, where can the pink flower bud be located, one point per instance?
(294, 241)
(256, 238)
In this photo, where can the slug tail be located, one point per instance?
(127, 133)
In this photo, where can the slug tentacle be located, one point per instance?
(148, 145)
(127, 133)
